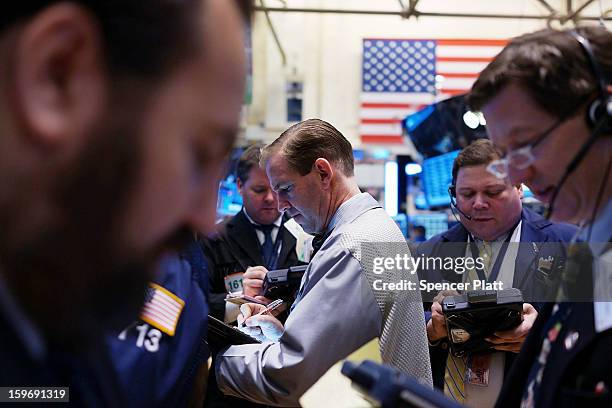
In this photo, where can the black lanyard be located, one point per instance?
(498, 260)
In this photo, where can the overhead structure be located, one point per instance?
(410, 10)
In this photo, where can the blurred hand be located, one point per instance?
(436, 326)
(512, 340)
(252, 281)
(263, 328)
(444, 293)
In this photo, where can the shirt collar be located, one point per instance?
(351, 208)
(514, 238)
(277, 223)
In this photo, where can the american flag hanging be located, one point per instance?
(401, 76)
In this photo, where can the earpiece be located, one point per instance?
(452, 192)
(600, 110)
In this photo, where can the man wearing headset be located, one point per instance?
(493, 223)
(546, 99)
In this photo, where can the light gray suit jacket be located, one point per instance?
(336, 312)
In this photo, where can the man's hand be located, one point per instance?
(264, 327)
(512, 340)
(436, 326)
(252, 282)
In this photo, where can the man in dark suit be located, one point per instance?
(257, 239)
(547, 101)
(492, 225)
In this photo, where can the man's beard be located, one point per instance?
(70, 279)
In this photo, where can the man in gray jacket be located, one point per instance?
(341, 304)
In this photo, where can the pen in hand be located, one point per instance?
(269, 308)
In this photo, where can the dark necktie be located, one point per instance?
(267, 248)
(318, 240)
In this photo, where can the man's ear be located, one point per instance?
(60, 81)
(325, 171)
(519, 187)
(240, 185)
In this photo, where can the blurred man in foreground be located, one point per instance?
(115, 119)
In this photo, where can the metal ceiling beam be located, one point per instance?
(416, 13)
(571, 15)
(547, 6)
(281, 50)
(412, 11)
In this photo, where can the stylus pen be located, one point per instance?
(271, 306)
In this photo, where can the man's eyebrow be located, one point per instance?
(278, 185)
(486, 187)
(519, 131)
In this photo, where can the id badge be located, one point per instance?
(233, 282)
(478, 367)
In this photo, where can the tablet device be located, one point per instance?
(477, 314)
(221, 334)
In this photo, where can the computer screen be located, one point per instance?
(436, 177)
(434, 223)
(229, 201)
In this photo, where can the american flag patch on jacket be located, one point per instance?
(162, 309)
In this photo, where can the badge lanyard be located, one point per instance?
(498, 260)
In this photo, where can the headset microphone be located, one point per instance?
(451, 193)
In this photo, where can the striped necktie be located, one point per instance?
(456, 368)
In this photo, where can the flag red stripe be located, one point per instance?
(158, 318)
(386, 105)
(472, 42)
(464, 59)
(159, 312)
(381, 139)
(454, 91)
(380, 121)
(457, 75)
(167, 301)
(171, 314)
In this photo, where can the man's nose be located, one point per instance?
(270, 196)
(283, 205)
(518, 176)
(480, 202)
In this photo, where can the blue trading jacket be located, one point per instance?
(158, 369)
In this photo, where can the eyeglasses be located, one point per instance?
(522, 157)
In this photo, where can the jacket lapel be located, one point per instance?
(581, 322)
(453, 245)
(529, 249)
(242, 236)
